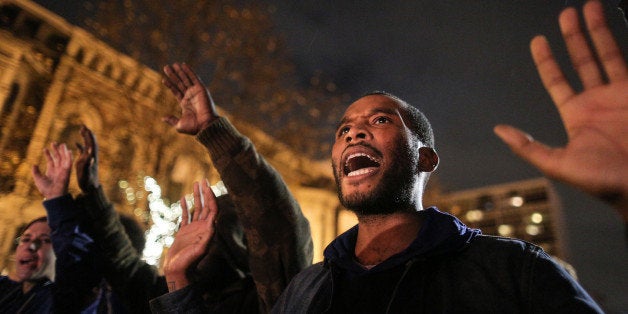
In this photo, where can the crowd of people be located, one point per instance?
(250, 251)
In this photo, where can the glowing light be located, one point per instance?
(516, 201)
(505, 230)
(536, 218)
(474, 215)
(165, 218)
(533, 230)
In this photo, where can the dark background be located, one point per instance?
(466, 64)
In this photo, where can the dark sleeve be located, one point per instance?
(133, 280)
(76, 268)
(278, 234)
(186, 300)
(551, 289)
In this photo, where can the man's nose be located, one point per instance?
(35, 245)
(355, 133)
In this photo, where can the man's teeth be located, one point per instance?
(360, 171)
(359, 155)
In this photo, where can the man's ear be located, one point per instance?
(428, 159)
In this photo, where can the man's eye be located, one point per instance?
(343, 131)
(46, 240)
(24, 240)
(380, 120)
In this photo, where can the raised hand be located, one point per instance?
(87, 161)
(197, 107)
(190, 242)
(55, 181)
(595, 159)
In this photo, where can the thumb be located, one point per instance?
(524, 146)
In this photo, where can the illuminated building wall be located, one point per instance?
(55, 76)
(527, 210)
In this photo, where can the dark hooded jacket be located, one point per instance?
(449, 268)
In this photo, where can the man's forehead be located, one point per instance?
(372, 103)
(37, 228)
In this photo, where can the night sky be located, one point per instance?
(467, 66)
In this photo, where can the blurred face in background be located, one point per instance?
(34, 256)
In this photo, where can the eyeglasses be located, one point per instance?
(27, 240)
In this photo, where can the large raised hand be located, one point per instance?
(87, 161)
(197, 106)
(190, 242)
(595, 159)
(54, 182)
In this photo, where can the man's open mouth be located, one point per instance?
(360, 163)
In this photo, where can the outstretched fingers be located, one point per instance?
(185, 214)
(89, 141)
(551, 75)
(582, 57)
(183, 81)
(66, 157)
(191, 75)
(198, 203)
(606, 47)
(172, 82)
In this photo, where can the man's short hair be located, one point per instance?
(417, 121)
(34, 221)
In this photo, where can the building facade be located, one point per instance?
(529, 210)
(54, 77)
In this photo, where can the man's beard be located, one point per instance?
(392, 194)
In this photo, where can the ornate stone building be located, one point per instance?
(55, 76)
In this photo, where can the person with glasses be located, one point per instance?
(31, 289)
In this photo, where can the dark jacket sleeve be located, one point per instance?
(76, 267)
(132, 279)
(553, 290)
(186, 300)
(278, 235)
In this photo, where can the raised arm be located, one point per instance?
(77, 275)
(595, 159)
(134, 281)
(278, 235)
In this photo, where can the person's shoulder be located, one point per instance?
(504, 246)
(314, 270)
(315, 273)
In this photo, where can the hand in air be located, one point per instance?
(87, 161)
(54, 182)
(197, 107)
(190, 243)
(595, 158)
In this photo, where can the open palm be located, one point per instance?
(595, 159)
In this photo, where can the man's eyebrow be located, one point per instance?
(374, 111)
(342, 121)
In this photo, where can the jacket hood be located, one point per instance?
(441, 233)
